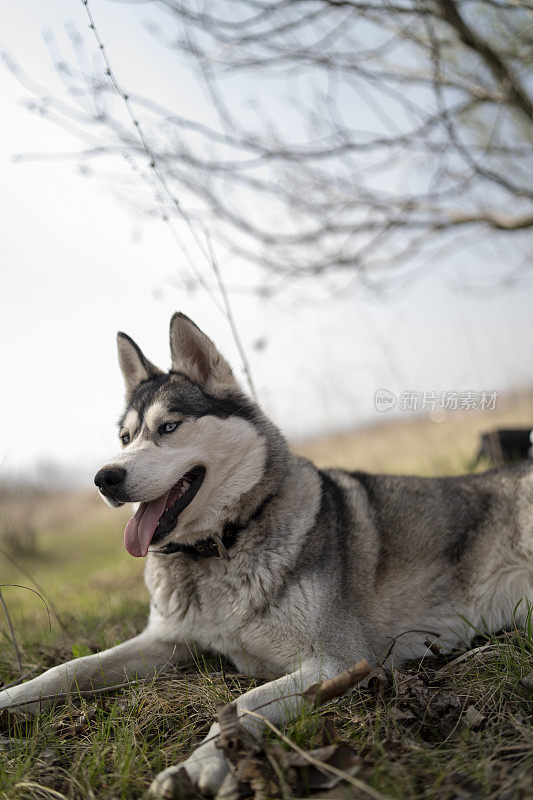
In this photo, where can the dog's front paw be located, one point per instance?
(171, 783)
(205, 769)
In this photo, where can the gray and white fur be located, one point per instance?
(327, 567)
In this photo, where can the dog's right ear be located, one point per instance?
(134, 366)
(194, 354)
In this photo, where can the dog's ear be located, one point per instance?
(194, 354)
(134, 365)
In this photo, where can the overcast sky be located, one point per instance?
(78, 264)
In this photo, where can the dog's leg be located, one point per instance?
(143, 655)
(278, 701)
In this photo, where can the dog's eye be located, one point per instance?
(125, 439)
(168, 427)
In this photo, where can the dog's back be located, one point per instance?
(450, 549)
(346, 562)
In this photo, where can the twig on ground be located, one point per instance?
(394, 639)
(85, 692)
(79, 693)
(433, 647)
(488, 650)
(319, 693)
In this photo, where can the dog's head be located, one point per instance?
(193, 444)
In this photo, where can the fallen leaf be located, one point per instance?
(527, 681)
(304, 776)
(399, 715)
(320, 693)
(474, 717)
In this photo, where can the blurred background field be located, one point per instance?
(442, 443)
(67, 544)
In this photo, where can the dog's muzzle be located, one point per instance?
(110, 481)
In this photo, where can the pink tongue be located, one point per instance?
(141, 527)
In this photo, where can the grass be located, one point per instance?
(414, 736)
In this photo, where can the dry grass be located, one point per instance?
(443, 443)
(413, 737)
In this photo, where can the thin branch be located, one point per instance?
(29, 589)
(231, 318)
(205, 248)
(11, 633)
(502, 72)
(41, 592)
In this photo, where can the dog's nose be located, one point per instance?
(109, 478)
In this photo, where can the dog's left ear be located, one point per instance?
(194, 354)
(134, 365)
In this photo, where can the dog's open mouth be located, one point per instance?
(152, 521)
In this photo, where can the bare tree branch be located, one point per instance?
(384, 134)
(503, 73)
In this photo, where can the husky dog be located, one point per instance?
(285, 569)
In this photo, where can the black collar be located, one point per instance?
(215, 546)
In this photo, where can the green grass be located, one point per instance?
(112, 746)
(81, 566)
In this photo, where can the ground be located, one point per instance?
(444, 728)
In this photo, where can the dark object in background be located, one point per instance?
(503, 446)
